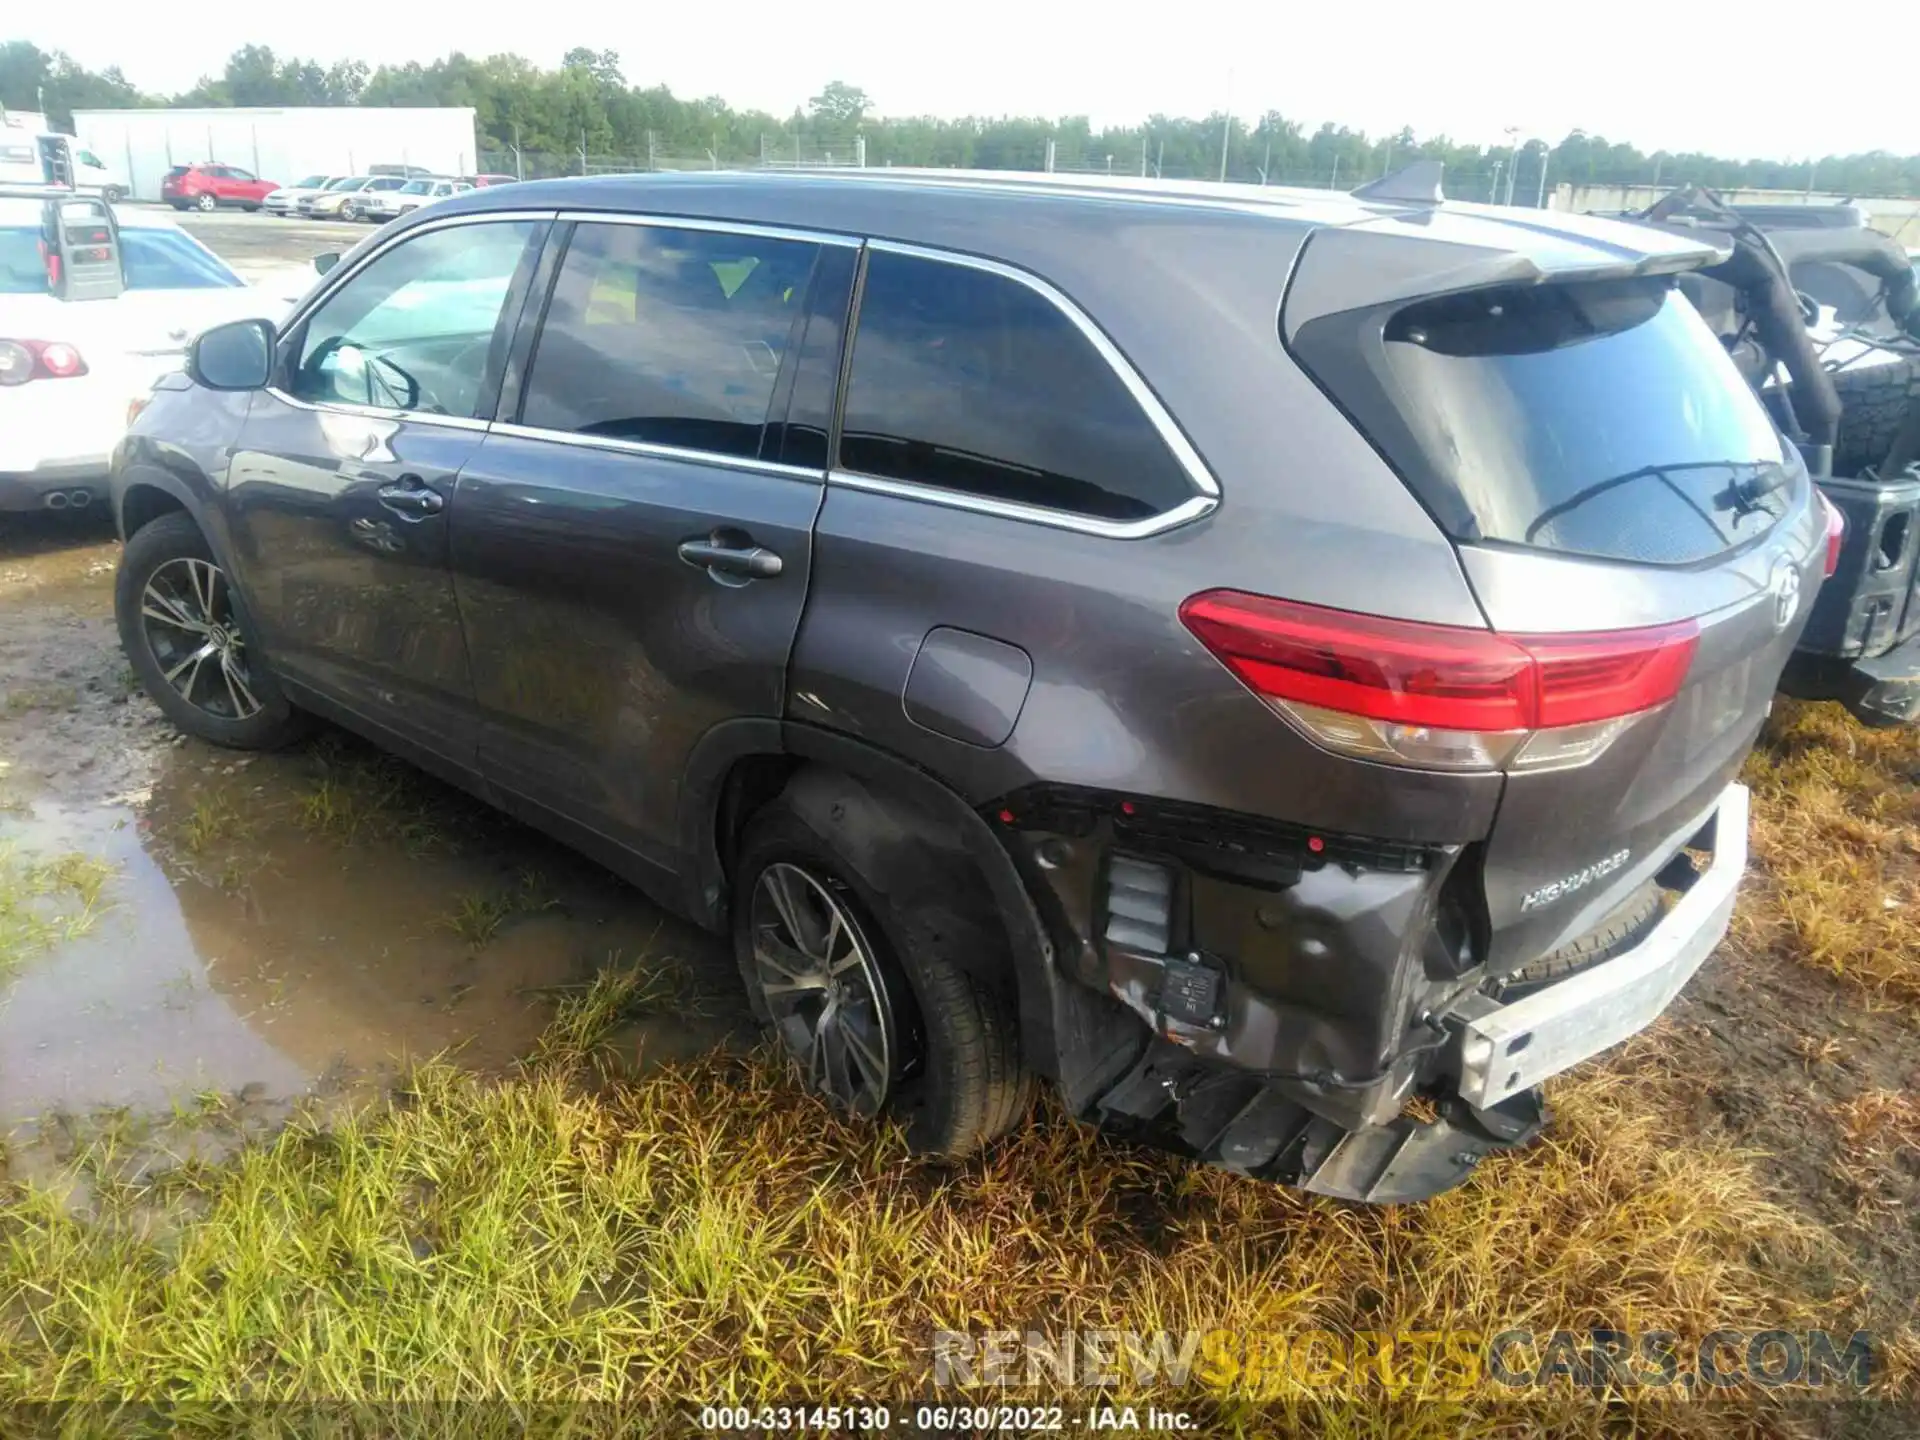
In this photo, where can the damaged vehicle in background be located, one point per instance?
(1822, 315)
(1291, 665)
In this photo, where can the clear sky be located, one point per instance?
(1662, 75)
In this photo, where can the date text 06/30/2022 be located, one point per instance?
(941, 1419)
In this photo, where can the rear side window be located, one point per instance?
(667, 337)
(971, 381)
(1600, 418)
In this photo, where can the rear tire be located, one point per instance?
(1873, 402)
(113, 194)
(1626, 927)
(952, 1071)
(184, 635)
(206, 204)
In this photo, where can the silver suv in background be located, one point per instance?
(1246, 658)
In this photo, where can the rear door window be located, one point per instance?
(668, 337)
(1599, 418)
(971, 381)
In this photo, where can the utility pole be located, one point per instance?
(1049, 155)
(1493, 196)
(583, 149)
(1334, 184)
(1546, 156)
(1388, 169)
(1160, 160)
(1143, 157)
(1226, 136)
(1513, 161)
(1813, 168)
(1266, 160)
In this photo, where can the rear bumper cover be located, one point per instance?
(1508, 1049)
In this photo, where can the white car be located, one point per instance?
(392, 204)
(69, 368)
(344, 199)
(283, 200)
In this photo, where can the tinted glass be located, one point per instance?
(971, 381)
(416, 328)
(177, 170)
(1603, 419)
(672, 337)
(311, 182)
(23, 271)
(347, 182)
(168, 260)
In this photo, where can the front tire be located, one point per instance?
(349, 211)
(113, 194)
(206, 204)
(870, 993)
(183, 634)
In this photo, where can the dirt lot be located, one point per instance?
(229, 1179)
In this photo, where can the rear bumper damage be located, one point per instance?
(1299, 1026)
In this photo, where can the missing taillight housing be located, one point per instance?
(1442, 697)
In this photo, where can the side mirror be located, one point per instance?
(235, 356)
(326, 262)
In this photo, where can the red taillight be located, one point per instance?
(1441, 695)
(1836, 533)
(24, 360)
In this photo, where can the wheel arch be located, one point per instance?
(1066, 1031)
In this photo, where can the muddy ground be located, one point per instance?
(274, 926)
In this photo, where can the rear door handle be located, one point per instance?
(749, 562)
(411, 497)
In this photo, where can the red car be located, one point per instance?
(208, 185)
(481, 181)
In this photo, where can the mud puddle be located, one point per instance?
(276, 926)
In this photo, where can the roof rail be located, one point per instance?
(1414, 184)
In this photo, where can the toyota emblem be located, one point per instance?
(1784, 584)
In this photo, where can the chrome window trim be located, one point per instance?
(651, 451)
(1204, 501)
(708, 225)
(1181, 514)
(374, 412)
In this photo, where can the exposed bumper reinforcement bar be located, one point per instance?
(1507, 1049)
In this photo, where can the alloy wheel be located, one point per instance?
(823, 984)
(207, 202)
(186, 614)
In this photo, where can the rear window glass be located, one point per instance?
(22, 269)
(178, 170)
(973, 382)
(1597, 419)
(168, 260)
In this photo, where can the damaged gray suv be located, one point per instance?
(1249, 659)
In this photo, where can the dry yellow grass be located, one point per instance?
(1836, 841)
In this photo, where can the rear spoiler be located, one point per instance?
(79, 241)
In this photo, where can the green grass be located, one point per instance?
(45, 901)
(477, 915)
(212, 821)
(360, 798)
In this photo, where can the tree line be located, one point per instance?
(586, 108)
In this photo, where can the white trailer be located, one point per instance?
(282, 143)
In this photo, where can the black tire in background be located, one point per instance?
(1873, 402)
(957, 1080)
(171, 544)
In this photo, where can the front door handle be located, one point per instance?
(748, 561)
(411, 498)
